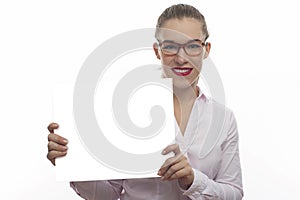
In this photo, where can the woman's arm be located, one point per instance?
(228, 182)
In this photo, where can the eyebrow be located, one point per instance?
(193, 40)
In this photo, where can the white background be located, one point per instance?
(255, 46)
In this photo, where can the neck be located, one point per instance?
(185, 95)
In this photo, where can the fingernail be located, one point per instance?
(164, 152)
(65, 141)
(162, 178)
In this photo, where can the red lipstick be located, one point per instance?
(182, 71)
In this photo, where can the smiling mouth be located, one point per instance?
(182, 71)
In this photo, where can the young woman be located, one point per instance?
(206, 162)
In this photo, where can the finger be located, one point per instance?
(52, 126)
(171, 148)
(53, 162)
(173, 169)
(169, 162)
(179, 174)
(56, 147)
(57, 139)
(52, 155)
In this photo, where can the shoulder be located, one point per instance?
(217, 110)
(217, 125)
(221, 118)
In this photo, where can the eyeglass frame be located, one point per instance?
(183, 46)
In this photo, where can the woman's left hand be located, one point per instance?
(176, 167)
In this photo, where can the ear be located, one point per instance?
(156, 50)
(207, 49)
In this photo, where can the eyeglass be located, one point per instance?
(191, 48)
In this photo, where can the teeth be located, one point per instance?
(181, 70)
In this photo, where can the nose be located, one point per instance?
(181, 57)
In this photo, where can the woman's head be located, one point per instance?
(181, 33)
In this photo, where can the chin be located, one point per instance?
(182, 84)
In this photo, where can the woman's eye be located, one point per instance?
(169, 47)
(193, 46)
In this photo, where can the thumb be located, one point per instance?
(52, 126)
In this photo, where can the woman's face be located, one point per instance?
(182, 68)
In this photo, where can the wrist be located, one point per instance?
(186, 182)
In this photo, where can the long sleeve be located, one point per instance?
(92, 190)
(227, 185)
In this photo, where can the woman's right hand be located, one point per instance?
(57, 145)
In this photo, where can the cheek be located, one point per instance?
(166, 61)
(165, 71)
(197, 63)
